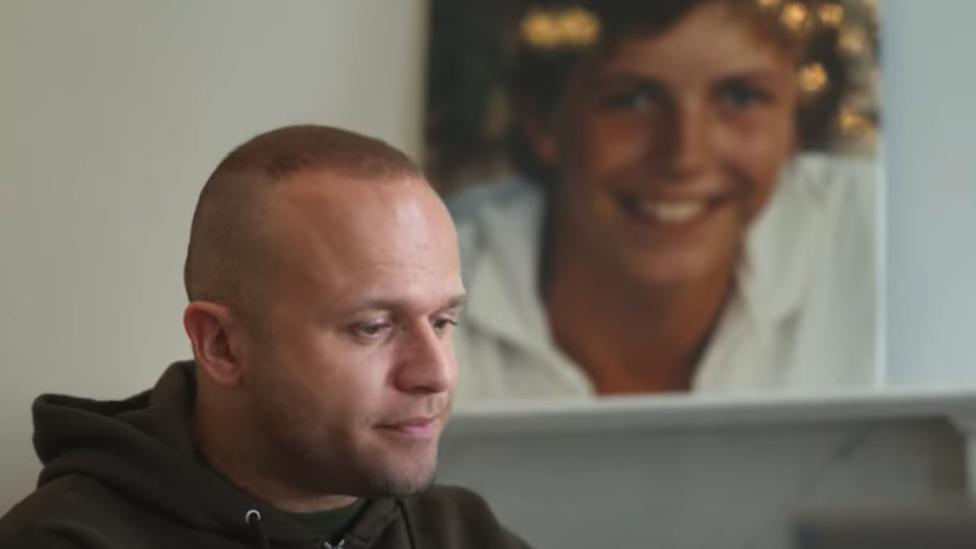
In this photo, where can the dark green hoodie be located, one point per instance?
(124, 475)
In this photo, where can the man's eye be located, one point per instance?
(373, 329)
(442, 323)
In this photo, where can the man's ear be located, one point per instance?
(216, 336)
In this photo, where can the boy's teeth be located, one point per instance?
(671, 211)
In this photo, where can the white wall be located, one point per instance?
(112, 114)
(929, 104)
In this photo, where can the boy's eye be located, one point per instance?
(742, 97)
(630, 100)
(635, 99)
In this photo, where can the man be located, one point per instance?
(323, 279)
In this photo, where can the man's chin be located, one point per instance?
(396, 469)
(401, 485)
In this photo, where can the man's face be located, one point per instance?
(669, 146)
(353, 372)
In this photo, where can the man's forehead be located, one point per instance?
(357, 266)
(347, 203)
(365, 278)
(360, 242)
(334, 202)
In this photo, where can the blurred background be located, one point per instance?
(113, 113)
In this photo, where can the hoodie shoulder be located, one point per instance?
(35, 539)
(33, 522)
(72, 511)
(450, 516)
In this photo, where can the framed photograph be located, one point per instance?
(668, 196)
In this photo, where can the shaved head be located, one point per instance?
(223, 258)
(324, 284)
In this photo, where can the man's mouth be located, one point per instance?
(419, 427)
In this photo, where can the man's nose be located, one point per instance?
(426, 363)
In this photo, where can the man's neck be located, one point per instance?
(631, 337)
(252, 470)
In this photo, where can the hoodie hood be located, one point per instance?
(141, 448)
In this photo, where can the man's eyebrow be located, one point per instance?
(455, 302)
(386, 304)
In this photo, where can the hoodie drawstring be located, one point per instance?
(253, 519)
